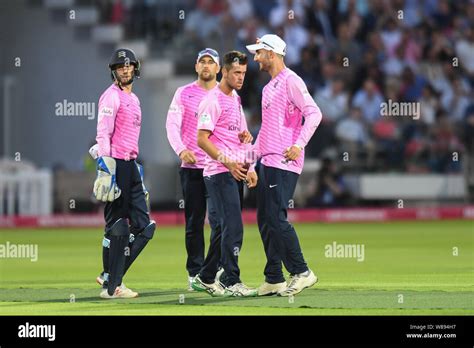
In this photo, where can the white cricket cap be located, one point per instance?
(269, 42)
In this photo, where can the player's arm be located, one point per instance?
(244, 135)
(174, 121)
(108, 107)
(300, 97)
(105, 184)
(250, 157)
(208, 112)
(236, 169)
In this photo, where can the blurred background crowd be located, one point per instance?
(353, 55)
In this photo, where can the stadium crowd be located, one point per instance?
(354, 55)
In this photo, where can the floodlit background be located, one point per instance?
(355, 57)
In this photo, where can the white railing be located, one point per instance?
(26, 193)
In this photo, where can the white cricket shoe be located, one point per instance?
(267, 289)
(220, 271)
(215, 289)
(190, 283)
(100, 280)
(240, 290)
(299, 282)
(120, 292)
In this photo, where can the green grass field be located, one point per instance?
(409, 269)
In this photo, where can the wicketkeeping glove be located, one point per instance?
(105, 184)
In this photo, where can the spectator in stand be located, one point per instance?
(442, 16)
(395, 64)
(460, 100)
(319, 19)
(204, 20)
(280, 13)
(468, 130)
(348, 48)
(391, 36)
(465, 51)
(333, 99)
(369, 100)
(263, 9)
(331, 189)
(429, 104)
(412, 85)
(444, 144)
(354, 138)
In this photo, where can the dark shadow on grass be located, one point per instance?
(96, 298)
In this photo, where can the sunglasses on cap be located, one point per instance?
(209, 51)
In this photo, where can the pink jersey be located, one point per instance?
(224, 117)
(118, 124)
(289, 117)
(181, 122)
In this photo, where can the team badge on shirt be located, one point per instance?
(106, 111)
(204, 118)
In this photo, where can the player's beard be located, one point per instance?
(264, 67)
(207, 76)
(124, 82)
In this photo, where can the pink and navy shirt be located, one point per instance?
(181, 122)
(223, 115)
(118, 124)
(290, 116)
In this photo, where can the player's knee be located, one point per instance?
(119, 228)
(149, 231)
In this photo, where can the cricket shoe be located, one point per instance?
(190, 283)
(240, 290)
(299, 282)
(267, 289)
(120, 292)
(100, 279)
(215, 289)
(220, 272)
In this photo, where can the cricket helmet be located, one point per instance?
(124, 56)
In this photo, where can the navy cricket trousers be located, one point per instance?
(195, 201)
(275, 189)
(225, 196)
(132, 203)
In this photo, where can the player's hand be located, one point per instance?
(105, 184)
(245, 137)
(188, 156)
(238, 170)
(251, 179)
(292, 153)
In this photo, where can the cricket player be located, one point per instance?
(289, 119)
(119, 180)
(224, 137)
(181, 127)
